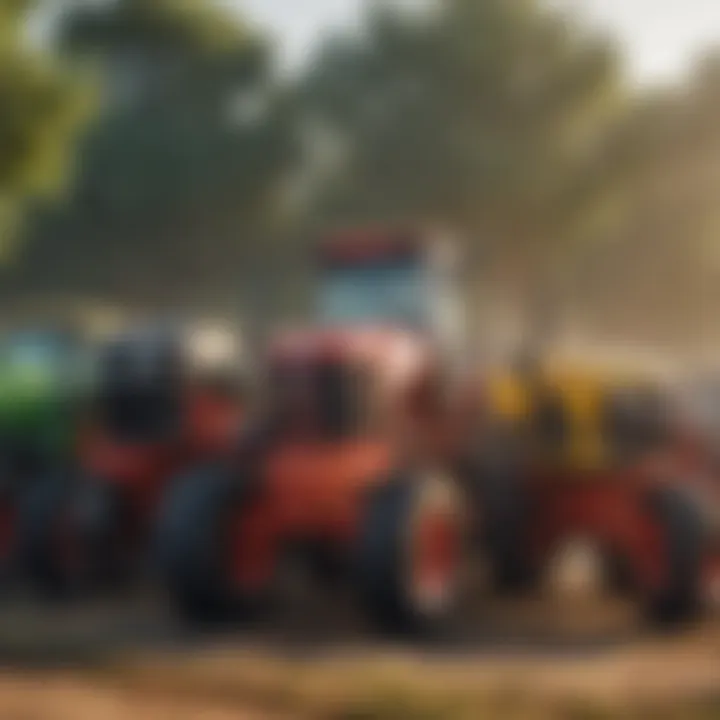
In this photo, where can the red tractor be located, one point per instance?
(165, 397)
(349, 467)
(609, 473)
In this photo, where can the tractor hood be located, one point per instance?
(25, 391)
(37, 397)
(390, 351)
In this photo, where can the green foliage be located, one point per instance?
(42, 107)
(505, 119)
(491, 116)
(181, 171)
(182, 27)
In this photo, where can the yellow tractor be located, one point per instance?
(600, 458)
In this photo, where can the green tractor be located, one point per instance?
(45, 381)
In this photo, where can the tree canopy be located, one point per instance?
(491, 116)
(184, 161)
(509, 120)
(41, 110)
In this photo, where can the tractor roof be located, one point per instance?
(356, 246)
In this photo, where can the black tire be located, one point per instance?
(41, 507)
(107, 534)
(9, 550)
(495, 478)
(92, 513)
(382, 563)
(12, 488)
(505, 505)
(682, 518)
(191, 552)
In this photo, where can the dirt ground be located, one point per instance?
(68, 697)
(522, 659)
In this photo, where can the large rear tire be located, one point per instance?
(13, 488)
(8, 538)
(505, 520)
(685, 534)
(72, 540)
(194, 548)
(411, 554)
(496, 481)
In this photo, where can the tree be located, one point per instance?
(182, 172)
(665, 256)
(490, 115)
(41, 108)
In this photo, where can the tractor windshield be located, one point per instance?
(376, 293)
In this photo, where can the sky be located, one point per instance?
(660, 36)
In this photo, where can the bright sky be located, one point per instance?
(661, 36)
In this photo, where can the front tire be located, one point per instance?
(411, 553)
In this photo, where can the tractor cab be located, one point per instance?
(344, 383)
(150, 380)
(387, 335)
(406, 280)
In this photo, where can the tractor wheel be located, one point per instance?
(71, 539)
(196, 549)
(411, 554)
(8, 530)
(505, 505)
(684, 534)
(8, 537)
(496, 488)
(11, 490)
(105, 531)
